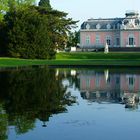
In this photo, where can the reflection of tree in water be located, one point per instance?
(31, 94)
(3, 124)
(71, 75)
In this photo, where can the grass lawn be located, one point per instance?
(79, 58)
(100, 56)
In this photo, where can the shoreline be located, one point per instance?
(69, 63)
(78, 59)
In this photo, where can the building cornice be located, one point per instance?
(107, 30)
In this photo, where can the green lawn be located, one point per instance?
(93, 55)
(79, 58)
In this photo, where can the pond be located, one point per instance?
(42, 103)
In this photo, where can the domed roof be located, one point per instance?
(101, 24)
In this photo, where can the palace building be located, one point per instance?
(116, 32)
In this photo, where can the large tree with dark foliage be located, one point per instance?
(34, 31)
(27, 34)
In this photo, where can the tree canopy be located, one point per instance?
(31, 31)
(6, 5)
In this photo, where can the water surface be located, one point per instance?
(69, 104)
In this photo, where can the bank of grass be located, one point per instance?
(79, 58)
(99, 56)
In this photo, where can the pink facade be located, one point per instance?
(130, 83)
(116, 32)
(93, 41)
(125, 83)
(125, 38)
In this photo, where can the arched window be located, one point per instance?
(108, 40)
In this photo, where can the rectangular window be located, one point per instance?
(87, 40)
(117, 41)
(131, 81)
(97, 40)
(131, 41)
(87, 83)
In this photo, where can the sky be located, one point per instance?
(84, 9)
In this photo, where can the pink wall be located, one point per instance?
(125, 36)
(92, 35)
(103, 85)
(83, 37)
(125, 84)
(113, 35)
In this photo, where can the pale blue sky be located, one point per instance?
(85, 9)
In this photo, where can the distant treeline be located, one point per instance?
(30, 31)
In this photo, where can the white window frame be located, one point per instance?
(87, 40)
(131, 36)
(98, 40)
(131, 80)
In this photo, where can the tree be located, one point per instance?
(34, 31)
(27, 34)
(45, 3)
(73, 39)
(3, 124)
(59, 26)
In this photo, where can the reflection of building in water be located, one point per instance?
(130, 87)
(130, 83)
(99, 86)
(108, 87)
